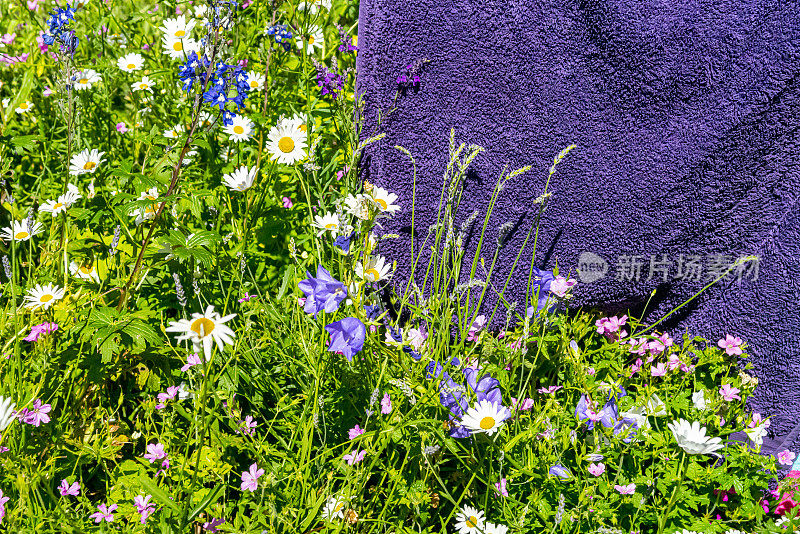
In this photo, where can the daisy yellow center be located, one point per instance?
(311, 39)
(21, 235)
(177, 46)
(472, 522)
(83, 81)
(487, 423)
(131, 66)
(46, 298)
(286, 144)
(339, 506)
(202, 326)
(57, 205)
(373, 273)
(24, 105)
(89, 165)
(174, 133)
(86, 270)
(180, 33)
(380, 202)
(330, 226)
(142, 86)
(253, 84)
(238, 129)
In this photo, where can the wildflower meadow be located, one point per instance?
(200, 332)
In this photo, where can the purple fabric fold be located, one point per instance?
(686, 117)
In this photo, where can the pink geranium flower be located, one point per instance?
(626, 490)
(250, 478)
(729, 393)
(144, 507)
(106, 513)
(597, 469)
(501, 487)
(354, 457)
(549, 390)
(354, 432)
(191, 361)
(731, 344)
(287, 203)
(386, 404)
(155, 451)
(66, 489)
(658, 370)
(786, 457)
(561, 285)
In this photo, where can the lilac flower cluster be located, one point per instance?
(410, 77)
(281, 34)
(329, 81)
(58, 29)
(226, 83)
(345, 41)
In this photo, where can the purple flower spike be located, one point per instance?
(347, 336)
(323, 292)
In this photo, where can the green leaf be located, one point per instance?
(212, 496)
(288, 275)
(157, 493)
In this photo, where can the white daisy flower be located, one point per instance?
(692, 438)
(314, 39)
(492, 528)
(55, 207)
(312, 6)
(297, 121)
(19, 231)
(255, 80)
(85, 79)
(326, 223)
(375, 269)
(177, 28)
(85, 162)
(84, 272)
(470, 520)
(24, 107)
(174, 132)
(43, 296)
(116, 39)
(286, 142)
(147, 213)
(241, 129)
(145, 84)
(201, 11)
(485, 417)
(203, 329)
(130, 62)
(179, 48)
(206, 120)
(384, 200)
(334, 507)
(359, 206)
(7, 413)
(240, 179)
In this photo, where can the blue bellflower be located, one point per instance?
(323, 292)
(347, 337)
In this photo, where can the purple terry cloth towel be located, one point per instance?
(686, 117)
